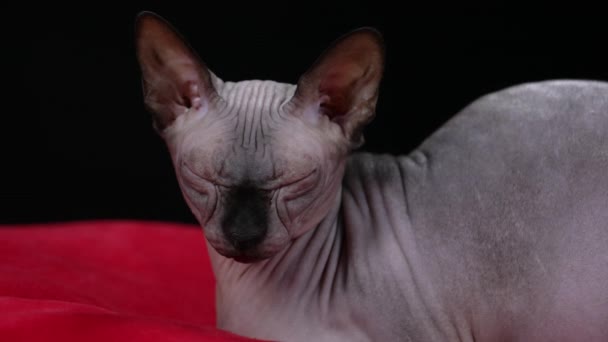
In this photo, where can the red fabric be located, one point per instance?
(106, 281)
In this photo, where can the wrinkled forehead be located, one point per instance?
(250, 114)
(244, 116)
(253, 97)
(242, 140)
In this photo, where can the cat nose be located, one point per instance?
(245, 220)
(244, 241)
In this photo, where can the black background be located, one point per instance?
(78, 144)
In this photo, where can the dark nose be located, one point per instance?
(245, 220)
(245, 241)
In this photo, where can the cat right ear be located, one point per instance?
(174, 79)
(343, 83)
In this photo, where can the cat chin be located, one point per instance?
(249, 256)
(244, 259)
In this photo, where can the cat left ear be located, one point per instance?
(343, 83)
(175, 79)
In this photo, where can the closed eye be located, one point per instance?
(301, 186)
(194, 178)
(282, 184)
(200, 193)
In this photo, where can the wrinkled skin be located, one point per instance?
(494, 229)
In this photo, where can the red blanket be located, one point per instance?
(106, 281)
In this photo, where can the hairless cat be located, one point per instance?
(494, 229)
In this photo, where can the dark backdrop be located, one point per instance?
(78, 144)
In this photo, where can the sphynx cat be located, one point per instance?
(494, 229)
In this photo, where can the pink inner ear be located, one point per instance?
(191, 95)
(337, 88)
(175, 79)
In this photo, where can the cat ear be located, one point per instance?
(343, 83)
(175, 80)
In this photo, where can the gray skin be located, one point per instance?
(494, 229)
